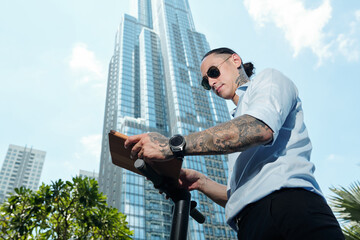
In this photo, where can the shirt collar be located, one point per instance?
(240, 91)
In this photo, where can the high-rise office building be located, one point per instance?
(84, 173)
(22, 167)
(154, 85)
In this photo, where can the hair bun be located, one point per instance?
(249, 68)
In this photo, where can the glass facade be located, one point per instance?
(154, 85)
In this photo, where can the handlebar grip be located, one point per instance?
(198, 216)
(195, 214)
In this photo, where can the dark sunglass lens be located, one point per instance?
(213, 72)
(205, 83)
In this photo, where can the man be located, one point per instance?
(271, 191)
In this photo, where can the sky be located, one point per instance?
(54, 57)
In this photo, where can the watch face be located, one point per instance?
(176, 140)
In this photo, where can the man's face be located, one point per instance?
(224, 86)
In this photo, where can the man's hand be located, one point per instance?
(194, 180)
(149, 146)
(191, 179)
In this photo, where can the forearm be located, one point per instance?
(214, 190)
(236, 135)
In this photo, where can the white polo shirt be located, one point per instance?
(285, 162)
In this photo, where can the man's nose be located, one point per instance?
(212, 81)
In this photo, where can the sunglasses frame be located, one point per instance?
(205, 79)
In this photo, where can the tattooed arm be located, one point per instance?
(236, 135)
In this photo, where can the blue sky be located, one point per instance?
(54, 57)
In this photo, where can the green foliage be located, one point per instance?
(346, 205)
(62, 210)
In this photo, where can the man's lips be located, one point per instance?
(218, 88)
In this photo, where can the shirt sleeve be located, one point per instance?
(271, 98)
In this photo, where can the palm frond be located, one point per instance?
(347, 202)
(352, 232)
(346, 205)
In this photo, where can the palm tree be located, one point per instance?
(346, 205)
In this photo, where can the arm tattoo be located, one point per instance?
(236, 135)
(162, 142)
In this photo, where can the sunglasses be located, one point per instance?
(212, 72)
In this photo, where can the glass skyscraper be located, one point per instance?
(154, 85)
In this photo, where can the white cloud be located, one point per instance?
(69, 166)
(87, 156)
(84, 63)
(357, 15)
(303, 28)
(92, 145)
(334, 158)
(349, 47)
(348, 44)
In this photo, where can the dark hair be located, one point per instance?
(248, 67)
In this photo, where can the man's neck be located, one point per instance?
(240, 80)
(235, 99)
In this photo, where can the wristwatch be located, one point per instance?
(177, 145)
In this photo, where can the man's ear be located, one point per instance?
(237, 60)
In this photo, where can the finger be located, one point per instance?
(140, 155)
(182, 174)
(135, 150)
(132, 140)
